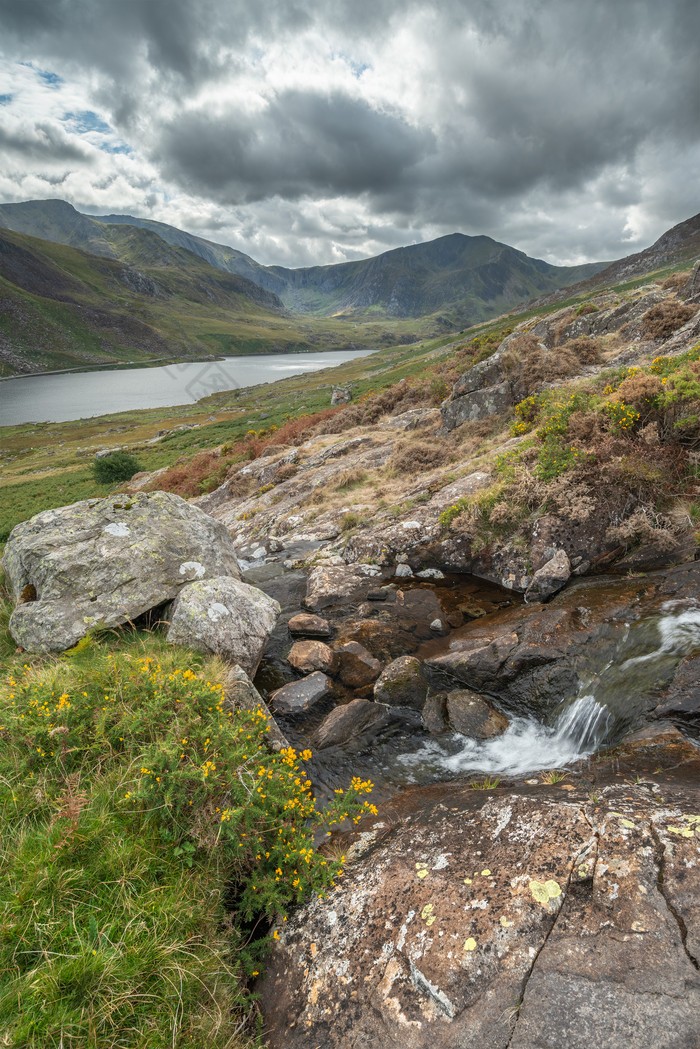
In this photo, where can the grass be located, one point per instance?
(148, 839)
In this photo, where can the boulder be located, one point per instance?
(226, 617)
(550, 578)
(356, 666)
(348, 722)
(307, 656)
(298, 697)
(103, 562)
(477, 404)
(306, 625)
(402, 684)
(525, 920)
(469, 714)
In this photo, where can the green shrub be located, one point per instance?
(114, 468)
(148, 835)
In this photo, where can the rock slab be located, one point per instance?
(523, 921)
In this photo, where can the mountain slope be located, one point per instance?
(467, 278)
(62, 308)
(462, 279)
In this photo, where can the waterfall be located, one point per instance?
(526, 745)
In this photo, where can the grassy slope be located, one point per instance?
(65, 308)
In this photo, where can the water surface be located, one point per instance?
(80, 395)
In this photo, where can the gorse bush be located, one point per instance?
(114, 468)
(146, 828)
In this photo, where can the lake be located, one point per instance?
(80, 395)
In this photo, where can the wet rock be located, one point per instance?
(298, 697)
(549, 579)
(102, 562)
(682, 698)
(225, 617)
(356, 666)
(469, 714)
(476, 663)
(307, 625)
(402, 684)
(435, 714)
(348, 722)
(307, 656)
(527, 921)
(335, 584)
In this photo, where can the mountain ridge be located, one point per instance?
(467, 279)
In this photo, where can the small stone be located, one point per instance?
(306, 625)
(435, 714)
(307, 656)
(403, 571)
(259, 553)
(437, 627)
(430, 573)
(298, 697)
(275, 545)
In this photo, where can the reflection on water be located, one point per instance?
(80, 395)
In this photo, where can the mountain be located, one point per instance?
(461, 279)
(465, 279)
(61, 307)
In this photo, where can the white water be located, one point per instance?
(611, 700)
(526, 745)
(679, 634)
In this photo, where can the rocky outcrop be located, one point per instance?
(225, 617)
(536, 657)
(102, 562)
(533, 918)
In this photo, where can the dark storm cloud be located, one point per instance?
(302, 143)
(521, 105)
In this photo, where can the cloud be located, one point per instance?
(316, 132)
(301, 143)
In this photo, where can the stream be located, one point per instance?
(627, 661)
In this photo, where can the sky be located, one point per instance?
(319, 132)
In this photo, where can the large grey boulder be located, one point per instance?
(102, 562)
(225, 617)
